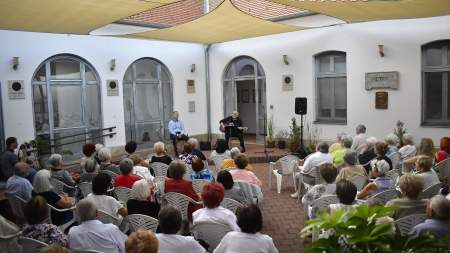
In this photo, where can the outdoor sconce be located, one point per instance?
(381, 50)
(112, 64)
(15, 63)
(192, 68)
(285, 59)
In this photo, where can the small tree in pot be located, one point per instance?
(270, 130)
(281, 137)
(294, 136)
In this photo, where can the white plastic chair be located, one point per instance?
(60, 186)
(210, 232)
(160, 169)
(286, 164)
(430, 191)
(179, 201)
(198, 184)
(9, 243)
(231, 204)
(86, 251)
(140, 221)
(85, 188)
(189, 171)
(383, 197)
(359, 181)
(107, 218)
(64, 226)
(393, 175)
(443, 170)
(17, 204)
(30, 245)
(315, 174)
(405, 224)
(122, 194)
(251, 192)
(218, 160)
(319, 204)
(396, 159)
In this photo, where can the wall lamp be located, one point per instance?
(112, 64)
(381, 50)
(285, 59)
(15, 63)
(192, 68)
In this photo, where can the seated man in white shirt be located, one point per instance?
(91, 234)
(212, 195)
(312, 162)
(168, 240)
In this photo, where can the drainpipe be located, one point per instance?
(208, 92)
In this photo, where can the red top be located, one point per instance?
(125, 181)
(184, 187)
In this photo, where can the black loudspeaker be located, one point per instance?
(300, 106)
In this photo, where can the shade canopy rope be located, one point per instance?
(225, 23)
(371, 10)
(69, 16)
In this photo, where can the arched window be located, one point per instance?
(331, 87)
(435, 83)
(66, 99)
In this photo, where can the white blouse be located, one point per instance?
(239, 242)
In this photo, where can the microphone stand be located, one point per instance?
(265, 152)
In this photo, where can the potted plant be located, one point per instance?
(281, 137)
(294, 136)
(270, 139)
(399, 131)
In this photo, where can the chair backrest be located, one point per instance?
(189, 171)
(405, 224)
(160, 169)
(179, 201)
(231, 204)
(324, 201)
(110, 173)
(138, 221)
(85, 187)
(9, 243)
(443, 170)
(198, 184)
(58, 186)
(210, 232)
(122, 193)
(430, 192)
(383, 197)
(393, 175)
(396, 159)
(251, 192)
(30, 245)
(217, 160)
(287, 163)
(85, 251)
(17, 204)
(359, 181)
(107, 218)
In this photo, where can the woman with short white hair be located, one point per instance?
(228, 164)
(140, 201)
(392, 141)
(381, 182)
(104, 155)
(409, 149)
(57, 171)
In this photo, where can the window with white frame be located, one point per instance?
(435, 83)
(331, 87)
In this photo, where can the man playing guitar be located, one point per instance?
(232, 126)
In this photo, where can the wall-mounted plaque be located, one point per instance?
(381, 100)
(16, 89)
(287, 82)
(112, 87)
(190, 86)
(191, 106)
(382, 80)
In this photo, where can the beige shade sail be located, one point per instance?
(225, 23)
(69, 16)
(370, 10)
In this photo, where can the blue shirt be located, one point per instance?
(176, 126)
(19, 186)
(204, 174)
(438, 228)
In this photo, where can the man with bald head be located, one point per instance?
(232, 126)
(18, 184)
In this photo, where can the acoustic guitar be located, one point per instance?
(223, 126)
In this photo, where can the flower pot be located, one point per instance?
(281, 144)
(270, 144)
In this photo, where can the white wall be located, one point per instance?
(402, 40)
(34, 48)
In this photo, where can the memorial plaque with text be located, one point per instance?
(382, 80)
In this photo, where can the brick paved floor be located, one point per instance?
(283, 217)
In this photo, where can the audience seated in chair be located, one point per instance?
(57, 171)
(425, 172)
(88, 152)
(18, 184)
(106, 203)
(328, 173)
(381, 149)
(338, 144)
(229, 163)
(351, 167)
(250, 221)
(231, 191)
(212, 195)
(200, 172)
(438, 221)
(346, 193)
(195, 149)
(160, 154)
(92, 234)
(220, 149)
(36, 214)
(444, 150)
(426, 148)
(140, 169)
(338, 154)
(392, 141)
(367, 153)
(176, 183)
(240, 174)
(7, 228)
(140, 201)
(141, 241)
(42, 187)
(89, 170)
(410, 186)
(168, 240)
(381, 182)
(360, 139)
(409, 149)
(126, 179)
(104, 154)
(187, 155)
